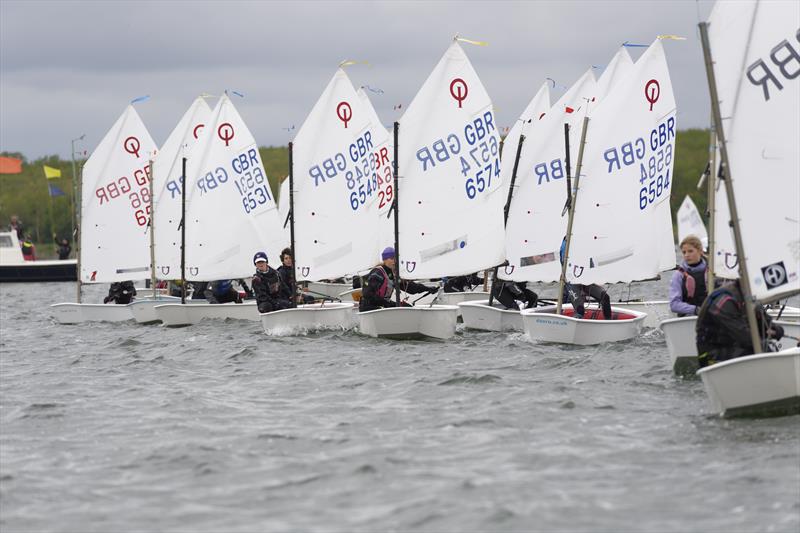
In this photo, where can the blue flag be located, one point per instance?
(55, 191)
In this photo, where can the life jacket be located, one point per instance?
(693, 288)
(387, 286)
(27, 248)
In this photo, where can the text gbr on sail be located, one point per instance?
(450, 145)
(787, 61)
(331, 166)
(122, 186)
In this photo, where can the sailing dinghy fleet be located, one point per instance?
(578, 193)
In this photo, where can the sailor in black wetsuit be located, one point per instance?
(120, 292)
(722, 330)
(268, 287)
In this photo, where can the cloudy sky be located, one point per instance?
(69, 68)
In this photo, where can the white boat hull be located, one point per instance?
(310, 317)
(331, 290)
(437, 321)
(543, 325)
(185, 315)
(657, 311)
(756, 385)
(682, 346)
(455, 298)
(680, 336)
(478, 315)
(75, 313)
(789, 314)
(144, 312)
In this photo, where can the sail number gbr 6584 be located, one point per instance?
(653, 156)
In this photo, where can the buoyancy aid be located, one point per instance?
(693, 288)
(387, 285)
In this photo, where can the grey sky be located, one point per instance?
(68, 68)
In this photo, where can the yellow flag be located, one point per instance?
(51, 173)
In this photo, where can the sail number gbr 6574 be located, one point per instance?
(477, 151)
(653, 156)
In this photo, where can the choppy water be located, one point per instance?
(217, 427)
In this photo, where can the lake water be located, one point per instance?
(217, 427)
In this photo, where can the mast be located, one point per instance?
(573, 200)
(744, 279)
(291, 222)
(396, 207)
(508, 204)
(152, 234)
(712, 207)
(79, 222)
(183, 231)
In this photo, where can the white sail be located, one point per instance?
(168, 186)
(690, 222)
(533, 114)
(622, 223)
(385, 172)
(230, 211)
(115, 204)
(336, 185)
(535, 223)
(755, 51)
(726, 261)
(450, 194)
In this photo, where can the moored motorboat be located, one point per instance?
(309, 317)
(435, 321)
(766, 384)
(543, 325)
(481, 316)
(185, 315)
(13, 266)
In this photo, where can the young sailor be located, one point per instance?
(576, 294)
(508, 292)
(286, 272)
(120, 292)
(222, 291)
(379, 285)
(722, 330)
(687, 289)
(268, 287)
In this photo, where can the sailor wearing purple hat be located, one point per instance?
(379, 285)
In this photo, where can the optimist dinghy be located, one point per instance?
(622, 229)
(333, 222)
(535, 226)
(449, 213)
(761, 125)
(114, 240)
(682, 346)
(230, 214)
